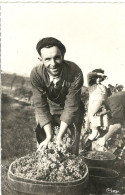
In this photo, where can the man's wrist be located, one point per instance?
(49, 137)
(59, 137)
(48, 131)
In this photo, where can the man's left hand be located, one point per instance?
(59, 142)
(63, 128)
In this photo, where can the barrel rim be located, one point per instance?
(91, 159)
(67, 183)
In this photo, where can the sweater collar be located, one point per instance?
(55, 79)
(49, 79)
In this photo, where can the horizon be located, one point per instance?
(26, 76)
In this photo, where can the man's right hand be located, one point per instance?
(43, 144)
(48, 131)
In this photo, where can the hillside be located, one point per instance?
(14, 81)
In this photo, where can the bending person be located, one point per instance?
(56, 85)
(116, 105)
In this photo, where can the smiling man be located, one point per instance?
(56, 85)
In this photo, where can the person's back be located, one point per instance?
(116, 103)
(118, 98)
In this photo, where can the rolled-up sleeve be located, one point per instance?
(40, 99)
(72, 102)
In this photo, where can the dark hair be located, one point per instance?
(98, 71)
(50, 42)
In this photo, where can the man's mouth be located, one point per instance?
(55, 69)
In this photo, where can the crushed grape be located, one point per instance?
(51, 164)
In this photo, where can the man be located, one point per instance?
(56, 85)
(116, 104)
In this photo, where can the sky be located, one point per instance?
(93, 33)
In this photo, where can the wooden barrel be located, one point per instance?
(22, 186)
(105, 176)
(93, 162)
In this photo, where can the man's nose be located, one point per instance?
(53, 62)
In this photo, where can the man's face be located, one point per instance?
(52, 59)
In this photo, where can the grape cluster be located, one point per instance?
(51, 164)
(97, 155)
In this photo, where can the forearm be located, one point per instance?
(48, 130)
(113, 128)
(63, 128)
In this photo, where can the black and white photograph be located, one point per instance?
(62, 98)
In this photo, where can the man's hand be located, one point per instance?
(48, 131)
(59, 142)
(43, 144)
(63, 128)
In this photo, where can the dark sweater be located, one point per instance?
(68, 99)
(116, 104)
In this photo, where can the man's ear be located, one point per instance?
(62, 56)
(40, 59)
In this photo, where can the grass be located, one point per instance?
(17, 135)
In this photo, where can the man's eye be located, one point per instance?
(47, 59)
(58, 58)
